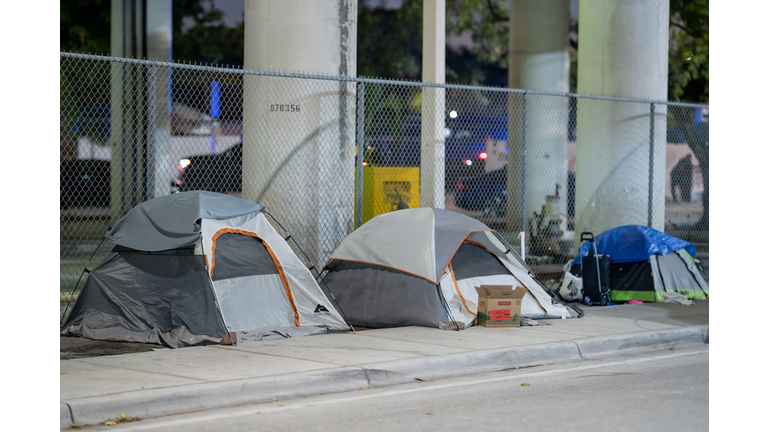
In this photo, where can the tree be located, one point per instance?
(208, 39)
(84, 26)
(689, 50)
(689, 81)
(389, 41)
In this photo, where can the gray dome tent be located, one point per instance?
(421, 266)
(191, 267)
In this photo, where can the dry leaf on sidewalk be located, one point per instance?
(424, 380)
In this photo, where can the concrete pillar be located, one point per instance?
(538, 60)
(299, 134)
(623, 52)
(140, 106)
(432, 171)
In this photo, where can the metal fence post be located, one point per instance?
(360, 153)
(151, 127)
(522, 168)
(650, 167)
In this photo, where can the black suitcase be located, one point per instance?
(595, 273)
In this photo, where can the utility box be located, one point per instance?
(382, 185)
(499, 305)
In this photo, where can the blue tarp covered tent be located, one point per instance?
(630, 243)
(646, 263)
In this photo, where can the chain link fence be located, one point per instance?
(326, 154)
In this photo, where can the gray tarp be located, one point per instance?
(162, 298)
(170, 222)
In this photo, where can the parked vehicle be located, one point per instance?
(486, 192)
(214, 173)
(84, 183)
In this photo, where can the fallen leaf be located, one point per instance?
(422, 379)
(122, 415)
(671, 348)
(430, 413)
(363, 388)
(110, 423)
(274, 399)
(551, 363)
(525, 385)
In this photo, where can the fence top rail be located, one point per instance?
(212, 69)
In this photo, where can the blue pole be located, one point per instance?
(215, 111)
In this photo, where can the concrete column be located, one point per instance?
(139, 106)
(159, 36)
(538, 60)
(299, 134)
(623, 51)
(432, 171)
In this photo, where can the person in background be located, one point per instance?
(682, 175)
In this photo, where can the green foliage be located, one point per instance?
(84, 26)
(389, 41)
(689, 50)
(209, 39)
(489, 24)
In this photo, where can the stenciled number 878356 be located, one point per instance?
(285, 108)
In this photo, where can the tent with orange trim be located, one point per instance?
(421, 266)
(194, 267)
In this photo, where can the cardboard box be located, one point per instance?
(499, 305)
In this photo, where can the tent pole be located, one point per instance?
(447, 309)
(311, 268)
(216, 296)
(69, 300)
(337, 304)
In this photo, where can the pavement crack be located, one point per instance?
(367, 378)
(637, 323)
(283, 356)
(71, 414)
(578, 348)
(145, 371)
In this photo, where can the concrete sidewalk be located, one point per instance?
(163, 382)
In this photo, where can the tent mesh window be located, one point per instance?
(474, 261)
(239, 255)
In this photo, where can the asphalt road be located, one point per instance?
(659, 391)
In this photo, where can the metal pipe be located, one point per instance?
(360, 153)
(522, 164)
(650, 167)
(367, 80)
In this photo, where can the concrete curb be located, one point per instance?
(646, 341)
(451, 365)
(180, 399)
(65, 419)
(187, 398)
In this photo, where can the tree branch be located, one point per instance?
(495, 15)
(684, 28)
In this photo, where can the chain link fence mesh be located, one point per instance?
(326, 154)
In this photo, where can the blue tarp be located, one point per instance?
(632, 243)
